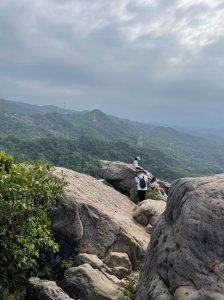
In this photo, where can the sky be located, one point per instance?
(151, 61)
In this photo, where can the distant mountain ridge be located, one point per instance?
(14, 107)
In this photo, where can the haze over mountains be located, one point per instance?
(30, 109)
(79, 139)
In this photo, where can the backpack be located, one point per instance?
(142, 182)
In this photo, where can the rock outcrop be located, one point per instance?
(121, 175)
(116, 259)
(185, 258)
(94, 223)
(44, 290)
(96, 219)
(85, 282)
(147, 211)
(117, 264)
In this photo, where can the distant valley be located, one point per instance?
(77, 140)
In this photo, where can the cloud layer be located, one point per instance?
(153, 61)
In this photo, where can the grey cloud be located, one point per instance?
(167, 3)
(214, 51)
(91, 61)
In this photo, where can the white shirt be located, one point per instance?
(154, 184)
(137, 180)
(135, 163)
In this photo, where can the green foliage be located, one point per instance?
(150, 194)
(56, 271)
(5, 162)
(27, 192)
(67, 263)
(76, 142)
(82, 154)
(16, 295)
(46, 272)
(130, 287)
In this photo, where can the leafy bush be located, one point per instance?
(27, 192)
(16, 295)
(130, 287)
(5, 162)
(150, 194)
(55, 271)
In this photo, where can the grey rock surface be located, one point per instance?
(37, 289)
(84, 282)
(185, 257)
(120, 272)
(147, 211)
(118, 174)
(120, 267)
(67, 225)
(121, 175)
(91, 259)
(116, 259)
(96, 219)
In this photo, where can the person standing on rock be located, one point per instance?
(141, 180)
(135, 163)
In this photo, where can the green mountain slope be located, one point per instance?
(82, 154)
(55, 137)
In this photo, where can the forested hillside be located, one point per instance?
(79, 140)
(82, 154)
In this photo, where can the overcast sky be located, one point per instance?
(152, 61)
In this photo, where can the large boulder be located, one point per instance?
(185, 258)
(147, 211)
(37, 289)
(96, 219)
(86, 283)
(122, 176)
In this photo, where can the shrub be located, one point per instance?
(27, 192)
(5, 162)
(56, 270)
(150, 194)
(130, 287)
(16, 295)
